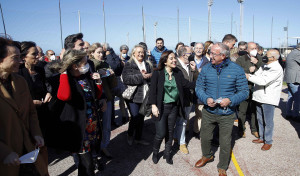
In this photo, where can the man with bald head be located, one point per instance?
(250, 62)
(267, 89)
(221, 86)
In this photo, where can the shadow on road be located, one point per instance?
(125, 157)
(282, 106)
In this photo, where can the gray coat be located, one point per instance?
(292, 68)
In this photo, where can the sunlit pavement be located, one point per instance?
(282, 159)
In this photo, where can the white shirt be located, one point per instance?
(142, 66)
(184, 66)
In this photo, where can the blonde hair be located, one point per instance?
(145, 56)
(71, 57)
(93, 48)
(134, 50)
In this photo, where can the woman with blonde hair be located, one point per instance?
(137, 72)
(80, 90)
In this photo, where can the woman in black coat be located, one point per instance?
(78, 93)
(36, 80)
(137, 72)
(166, 97)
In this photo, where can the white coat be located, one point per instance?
(268, 83)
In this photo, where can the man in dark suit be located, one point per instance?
(190, 73)
(250, 62)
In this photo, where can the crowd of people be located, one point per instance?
(67, 102)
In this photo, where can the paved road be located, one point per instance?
(282, 159)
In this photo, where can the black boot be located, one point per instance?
(167, 155)
(156, 146)
(155, 157)
(168, 158)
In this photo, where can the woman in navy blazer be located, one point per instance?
(166, 98)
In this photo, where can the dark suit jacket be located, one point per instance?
(191, 76)
(156, 94)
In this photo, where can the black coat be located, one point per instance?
(156, 94)
(132, 76)
(69, 117)
(114, 62)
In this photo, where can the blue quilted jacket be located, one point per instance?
(156, 53)
(230, 83)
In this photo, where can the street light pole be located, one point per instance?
(155, 31)
(210, 3)
(79, 21)
(241, 18)
(3, 20)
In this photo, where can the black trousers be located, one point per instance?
(165, 126)
(248, 107)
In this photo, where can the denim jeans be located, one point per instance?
(265, 116)
(208, 124)
(293, 103)
(106, 125)
(136, 122)
(179, 131)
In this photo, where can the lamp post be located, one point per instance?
(155, 31)
(241, 18)
(210, 3)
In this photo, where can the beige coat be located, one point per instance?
(18, 125)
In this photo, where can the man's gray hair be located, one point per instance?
(124, 47)
(224, 49)
(199, 43)
(274, 53)
(182, 50)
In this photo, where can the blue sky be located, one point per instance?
(38, 21)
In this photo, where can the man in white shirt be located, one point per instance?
(267, 90)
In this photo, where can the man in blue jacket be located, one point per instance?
(158, 49)
(221, 86)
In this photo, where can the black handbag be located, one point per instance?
(146, 108)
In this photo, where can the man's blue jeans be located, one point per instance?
(179, 131)
(106, 125)
(293, 103)
(265, 116)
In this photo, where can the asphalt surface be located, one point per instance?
(282, 159)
